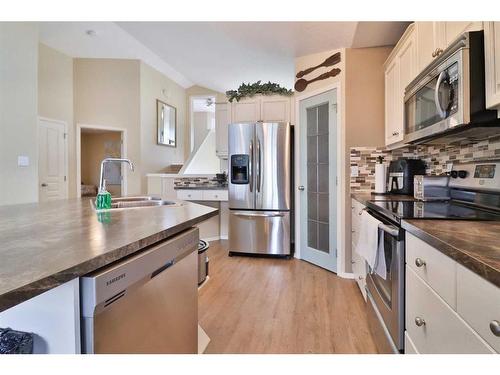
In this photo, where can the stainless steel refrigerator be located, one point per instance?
(260, 179)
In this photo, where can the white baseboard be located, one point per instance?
(224, 237)
(346, 275)
(215, 238)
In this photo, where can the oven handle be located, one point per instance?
(440, 110)
(391, 229)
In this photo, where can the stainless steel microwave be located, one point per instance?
(449, 95)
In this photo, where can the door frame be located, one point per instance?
(341, 186)
(66, 151)
(79, 128)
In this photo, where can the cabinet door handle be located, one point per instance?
(438, 52)
(301, 188)
(419, 321)
(419, 262)
(434, 53)
(495, 327)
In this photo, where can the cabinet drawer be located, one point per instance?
(215, 195)
(443, 331)
(409, 346)
(190, 195)
(478, 303)
(436, 269)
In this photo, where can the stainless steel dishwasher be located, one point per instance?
(146, 303)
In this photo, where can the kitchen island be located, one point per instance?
(47, 247)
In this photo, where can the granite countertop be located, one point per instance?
(364, 197)
(473, 244)
(200, 187)
(45, 245)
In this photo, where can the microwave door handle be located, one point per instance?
(440, 110)
(250, 167)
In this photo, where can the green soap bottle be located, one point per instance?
(103, 199)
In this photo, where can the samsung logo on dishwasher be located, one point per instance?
(115, 279)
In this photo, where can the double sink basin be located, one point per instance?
(135, 202)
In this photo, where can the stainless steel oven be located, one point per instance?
(449, 94)
(386, 296)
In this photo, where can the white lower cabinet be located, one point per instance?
(478, 302)
(448, 308)
(358, 263)
(433, 326)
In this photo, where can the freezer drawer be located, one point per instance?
(259, 232)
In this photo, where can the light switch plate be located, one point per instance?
(23, 161)
(354, 171)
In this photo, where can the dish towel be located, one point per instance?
(380, 265)
(368, 242)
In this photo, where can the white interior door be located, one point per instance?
(51, 161)
(318, 174)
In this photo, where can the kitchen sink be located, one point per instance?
(135, 202)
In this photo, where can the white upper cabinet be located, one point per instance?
(246, 110)
(492, 64)
(400, 69)
(222, 120)
(427, 43)
(275, 108)
(432, 38)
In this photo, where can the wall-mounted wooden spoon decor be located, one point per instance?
(332, 60)
(302, 83)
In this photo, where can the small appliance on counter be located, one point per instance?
(402, 173)
(427, 188)
(380, 176)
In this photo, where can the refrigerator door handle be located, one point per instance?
(259, 167)
(259, 215)
(250, 167)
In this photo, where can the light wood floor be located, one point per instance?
(261, 305)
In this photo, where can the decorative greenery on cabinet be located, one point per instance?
(257, 88)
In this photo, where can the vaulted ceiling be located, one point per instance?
(216, 55)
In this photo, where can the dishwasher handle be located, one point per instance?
(162, 268)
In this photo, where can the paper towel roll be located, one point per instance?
(380, 178)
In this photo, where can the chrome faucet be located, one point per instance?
(102, 183)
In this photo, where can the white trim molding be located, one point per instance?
(66, 149)
(79, 128)
(340, 175)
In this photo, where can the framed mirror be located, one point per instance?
(166, 117)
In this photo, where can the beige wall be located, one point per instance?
(362, 110)
(154, 85)
(18, 112)
(107, 93)
(93, 150)
(55, 99)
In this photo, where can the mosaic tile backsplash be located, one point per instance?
(437, 158)
(198, 181)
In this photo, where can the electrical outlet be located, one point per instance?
(354, 171)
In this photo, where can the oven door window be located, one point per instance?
(428, 106)
(384, 287)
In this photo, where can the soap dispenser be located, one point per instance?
(103, 199)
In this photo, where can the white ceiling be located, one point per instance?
(217, 55)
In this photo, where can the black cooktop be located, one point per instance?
(448, 210)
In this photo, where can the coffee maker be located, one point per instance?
(402, 173)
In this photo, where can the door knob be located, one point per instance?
(301, 188)
(419, 262)
(495, 327)
(419, 322)
(44, 184)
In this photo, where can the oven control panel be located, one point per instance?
(480, 176)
